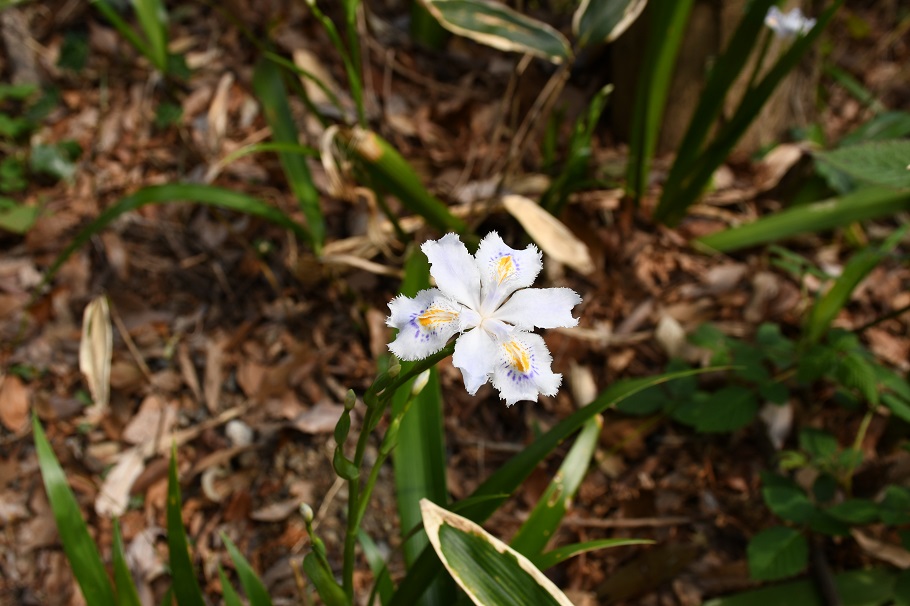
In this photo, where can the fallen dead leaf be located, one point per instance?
(95, 351)
(14, 403)
(214, 373)
(322, 418)
(114, 495)
(155, 418)
(275, 512)
(880, 550)
(553, 237)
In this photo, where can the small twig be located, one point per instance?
(888, 316)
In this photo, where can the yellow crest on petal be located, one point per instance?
(518, 356)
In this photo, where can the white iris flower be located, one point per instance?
(788, 25)
(486, 298)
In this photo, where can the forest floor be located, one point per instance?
(234, 338)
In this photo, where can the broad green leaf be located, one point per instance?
(52, 160)
(786, 499)
(183, 573)
(872, 587)
(178, 193)
(420, 458)
(898, 406)
(728, 409)
(495, 24)
(855, 511)
(78, 545)
(819, 444)
(603, 21)
(18, 218)
(230, 595)
(17, 91)
(252, 585)
(532, 537)
(776, 553)
(883, 127)
(269, 87)
(487, 570)
(563, 553)
(863, 204)
(884, 163)
(123, 578)
(895, 507)
(508, 477)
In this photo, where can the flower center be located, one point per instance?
(518, 356)
(434, 316)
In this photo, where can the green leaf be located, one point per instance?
(388, 170)
(16, 218)
(183, 573)
(496, 25)
(330, 591)
(669, 22)
(854, 511)
(564, 552)
(532, 537)
(727, 409)
(895, 507)
(819, 444)
(74, 51)
(645, 402)
(898, 406)
(376, 561)
(52, 160)
(78, 545)
(902, 588)
(863, 204)
(17, 92)
(786, 499)
(882, 127)
(883, 163)
(252, 585)
(871, 587)
(153, 20)
(776, 553)
(177, 193)
(269, 87)
(230, 595)
(603, 21)
(855, 372)
(508, 477)
(487, 570)
(123, 578)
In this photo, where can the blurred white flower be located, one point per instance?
(788, 25)
(486, 298)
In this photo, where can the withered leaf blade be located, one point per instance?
(96, 350)
(553, 237)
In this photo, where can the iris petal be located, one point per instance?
(475, 356)
(454, 269)
(503, 270)
(523, 370)
(540, 308)
(425, 323)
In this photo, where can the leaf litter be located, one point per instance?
(242, 357)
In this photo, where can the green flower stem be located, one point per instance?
(377, 400)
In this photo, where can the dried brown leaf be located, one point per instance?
(14, 403)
